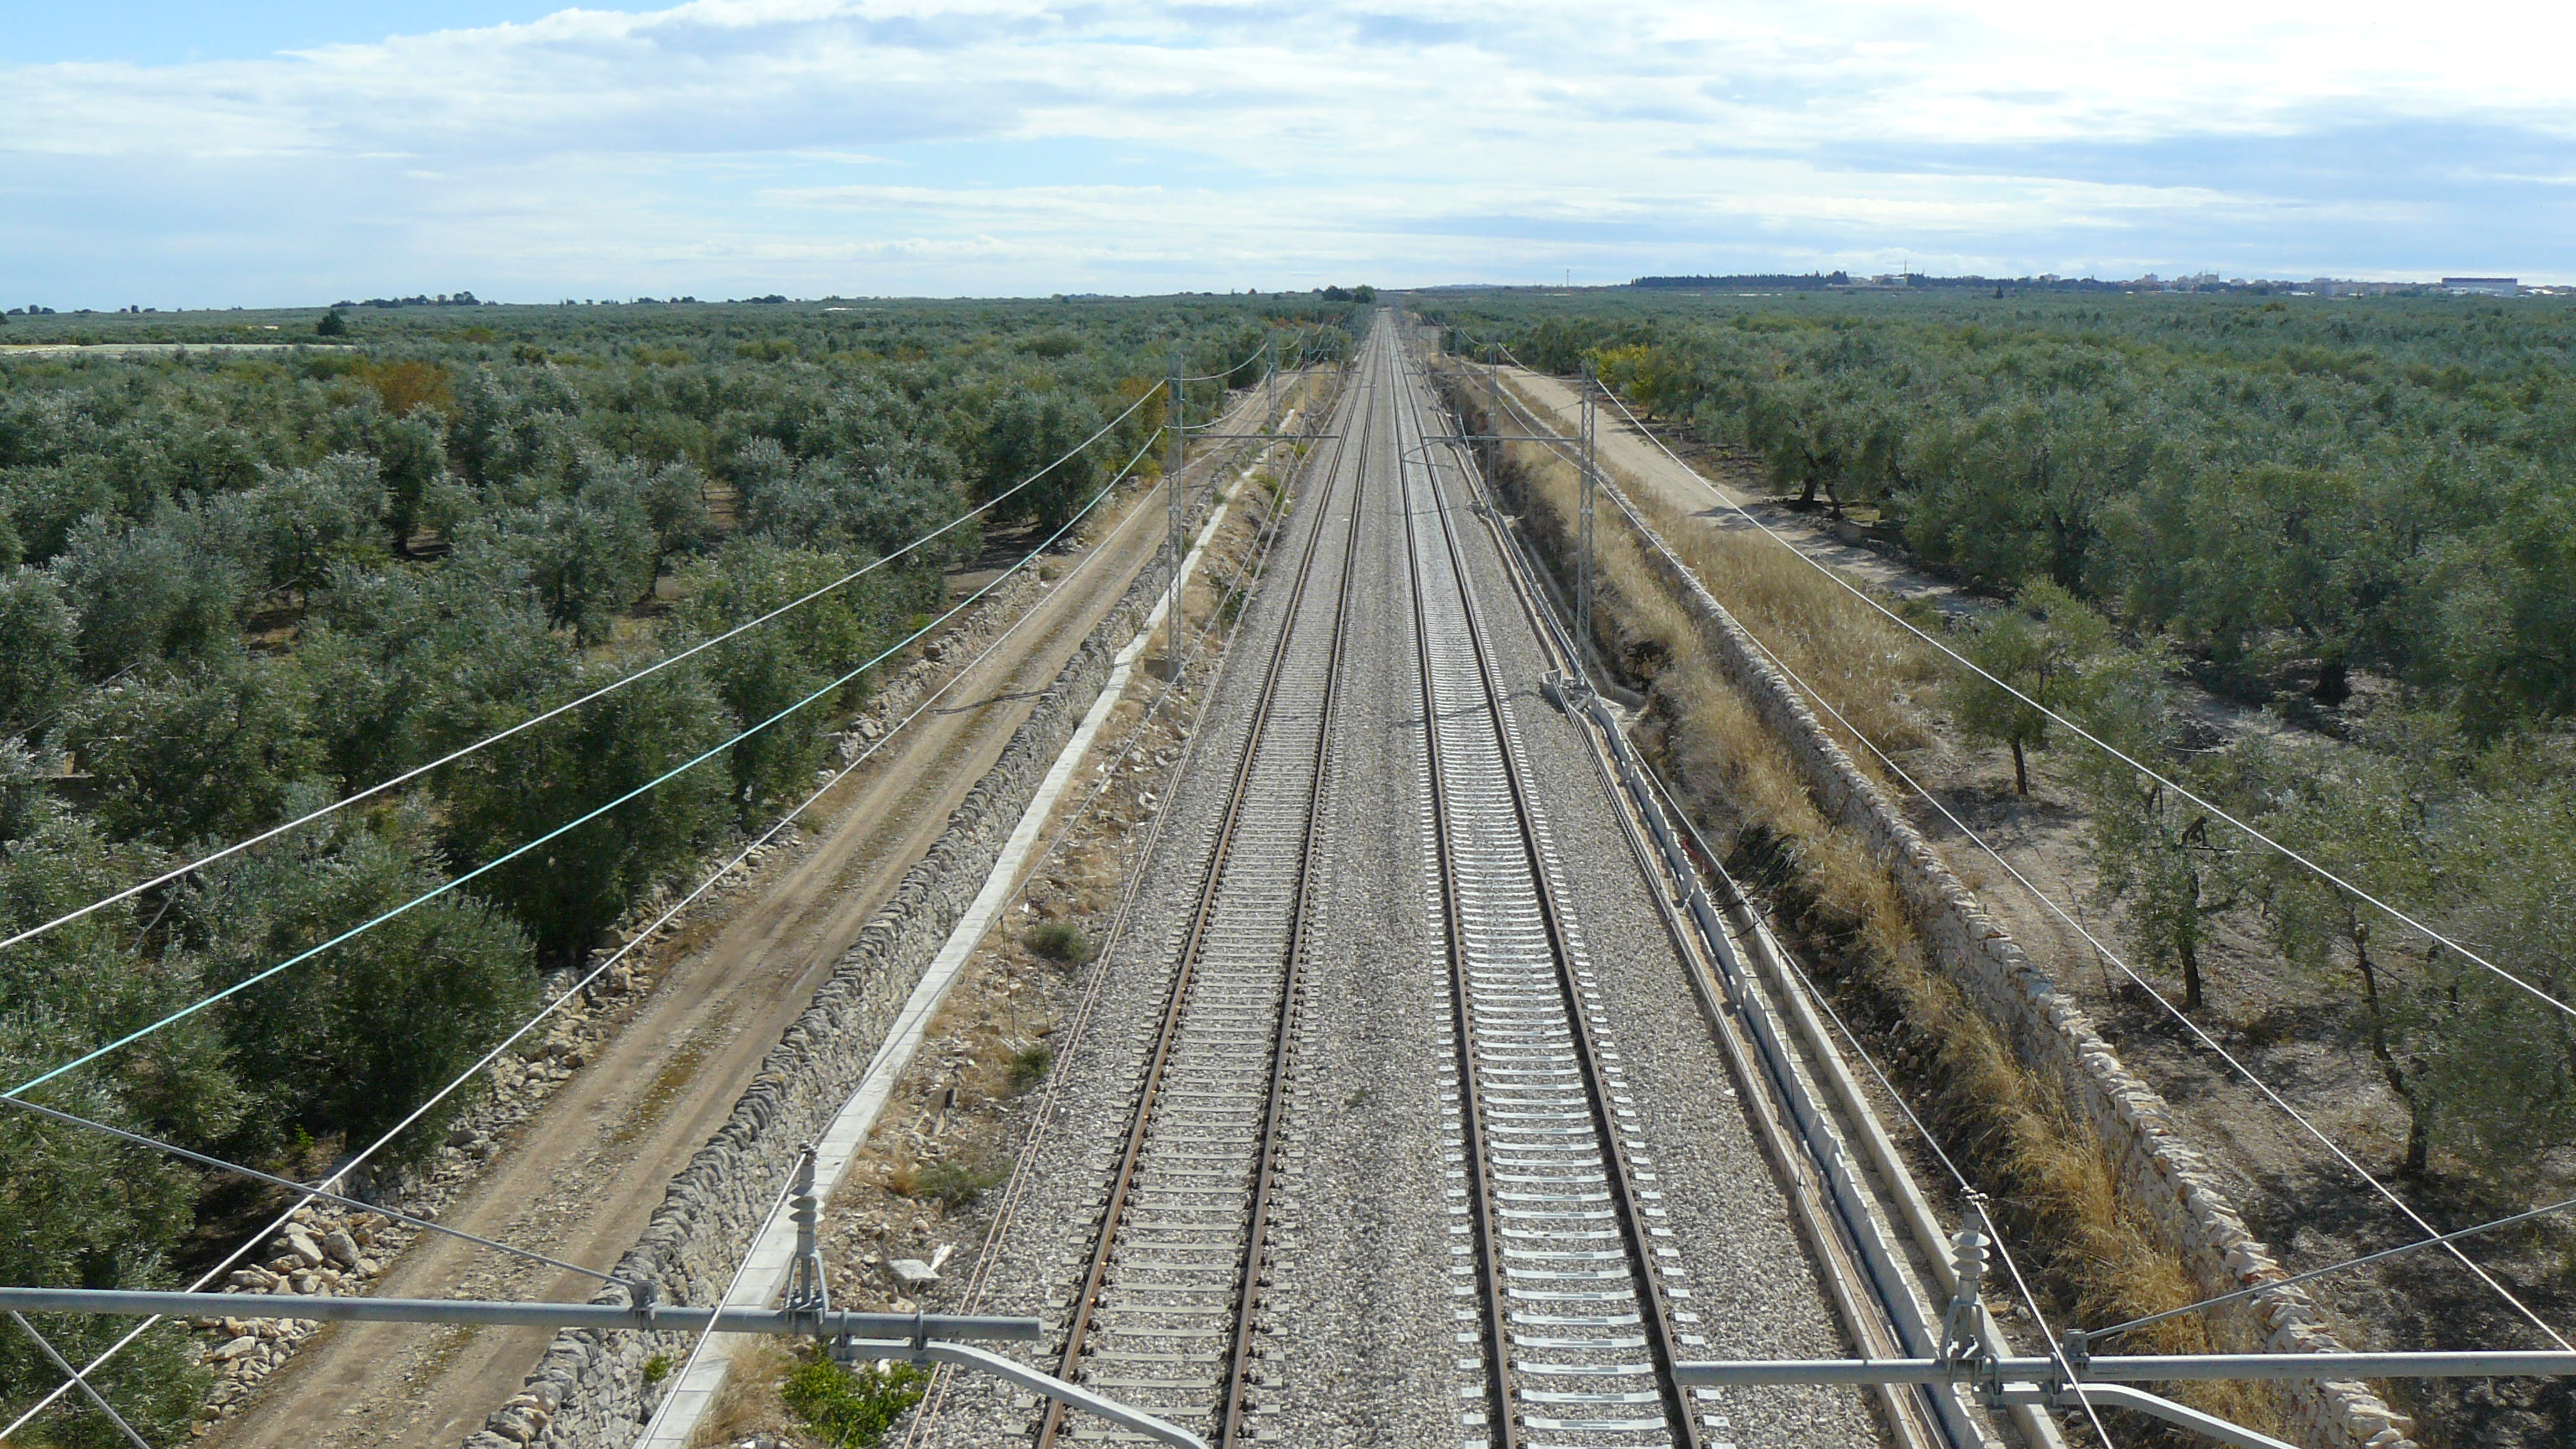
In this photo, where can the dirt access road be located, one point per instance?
(2293, 1031)
(582, 1177)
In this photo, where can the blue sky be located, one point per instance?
(284, 154)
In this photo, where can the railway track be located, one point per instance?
(1555, 1238)
(1164, 1319)
(1535, 1199)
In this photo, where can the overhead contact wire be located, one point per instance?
(611, 687)
(2381, 1188)
(579, 821)
(2288, 853)
(601, 969)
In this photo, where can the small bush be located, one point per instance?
(952, 1185)
(1030, 1065)
(852, 1410)
(656, 1369)
(1062, 941)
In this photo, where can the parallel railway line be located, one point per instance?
(1575, 1295)
(1165, 1315)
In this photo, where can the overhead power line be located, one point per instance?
(598, 970)
(576, 823)
(2385, 1192)
(178, 872)
(2286, 852)
(70, 1119)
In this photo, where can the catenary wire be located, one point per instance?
(575, 989)
(2114, 958)
(2056, 1351)
(2204, 1038)
(1970, 1194)
(774, 1210)
(1014, 1193)
(699, 1344)
(657, 782)
(2392, 912)
(70, 1119)
(2376, 1185)
(2450, 1237)
(533, 721)
(601, 969)
(54, 1356)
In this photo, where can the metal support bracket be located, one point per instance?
(931, 1350)
(2121, 1396)
(809, 1295)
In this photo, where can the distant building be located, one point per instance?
(2482, 286)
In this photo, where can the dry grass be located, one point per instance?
(748, 1403)
(1878, 675)
(2098, 1259)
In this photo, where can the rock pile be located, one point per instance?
(326, 1250)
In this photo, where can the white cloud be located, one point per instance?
(1013, 146)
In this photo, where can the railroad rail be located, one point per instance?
(1575, 1281)
(1164, 1319)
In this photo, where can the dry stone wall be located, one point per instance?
(589, 1392)
(2158, 1168)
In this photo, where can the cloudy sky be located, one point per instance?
(180, 152)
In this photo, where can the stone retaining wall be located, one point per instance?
(2159, 1170)
(589, 1392)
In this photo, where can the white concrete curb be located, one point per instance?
(764, 1278)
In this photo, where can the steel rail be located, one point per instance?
(1657, 1320)
(1807, 1179)
(1016, 1193)
(1237, 1355)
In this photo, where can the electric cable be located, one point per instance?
(584, 819)
(2313, 1273)
(533, 721)
(1015, 1191)
(699, 1344)
(602, 968)
(2204, 1038)
(576, 988)
(54, 1356)
(2048, 1335)
(202, 1159)
(1231, 371)
(2106, 952)
(1122, 525)
(2356, 892)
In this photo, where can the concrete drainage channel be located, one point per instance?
(832, 1071)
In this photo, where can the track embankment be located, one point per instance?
(585, 1172)
(2162, 1180)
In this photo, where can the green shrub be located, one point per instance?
(852, 1410)
(1030, 1065)
(1062, 941)
(952, 1185)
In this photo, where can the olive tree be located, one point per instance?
(351, 1041)
(2051, 648)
